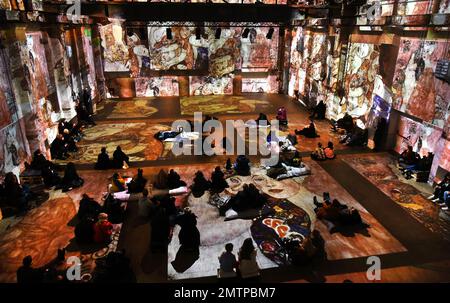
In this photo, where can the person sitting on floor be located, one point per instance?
(162, 180)
(26, 274)
(408, 159)
(275, 170)
(218, 183)
(49, 175)
(199, 185)
(120, 159)
(282, 116)
(227, 261)
(70, 141)
(295, 161)
(262, 120)
(242, 166)
(71, 179)
(15, 194)
(319, 111)
(88, 207)
(137, 184)
(319, 153)
(117, 183)
(329, 151)
(308, 131)
(248, 198)
(39, 161)
(103, 229)
(345, 123)
(440, 189)
(248, 267)
(103, 161)
(174, 180)
(84, 230)
(58, 148)
(189, 236)
(292, 171)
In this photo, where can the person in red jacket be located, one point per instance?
(102, 229)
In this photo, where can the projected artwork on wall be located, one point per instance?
(36, 63)
(413, 7)
(296, 57)
(421, 137)
(444, 7)
(258, 52)
(224, 53)
(89, 60)
(13, 147)
(156, 86)
(260, 85)
(115, 50)
(7, 103)
(360, 73)
(139, 55)
(210, 86)
(416, 90)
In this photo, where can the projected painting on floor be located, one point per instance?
(416, 90)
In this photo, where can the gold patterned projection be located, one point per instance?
(210, 105)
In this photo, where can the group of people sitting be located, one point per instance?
(336, 215)
(322, 154)
(119, 160)
(13, 194)
(411, 162)
(441, 194)
(354, 133)
(245, 266)
(66, 140)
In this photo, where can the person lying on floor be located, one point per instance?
(103, 161)
(120, 159)
(137, 184)
(336, 214)
(319, 153)
(218, 182)
(440, 189)
(199, 185)
(357, 137)
(308, 131)
(276, 170)
(71, 178)
(189, 235)
(295, 160)
(292, 171)
(163, 135)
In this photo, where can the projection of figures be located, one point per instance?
(416, 90)
(89, 57)
(444, 7)
(258, 52)
(360, 74)
(114, 49)
(139, 55)
(296, 55)
(203, 86)
(13, 148)
(260, 85)
(224, 54)
(154, 86)
(413, 7)
(423, 138)
(36, 63)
